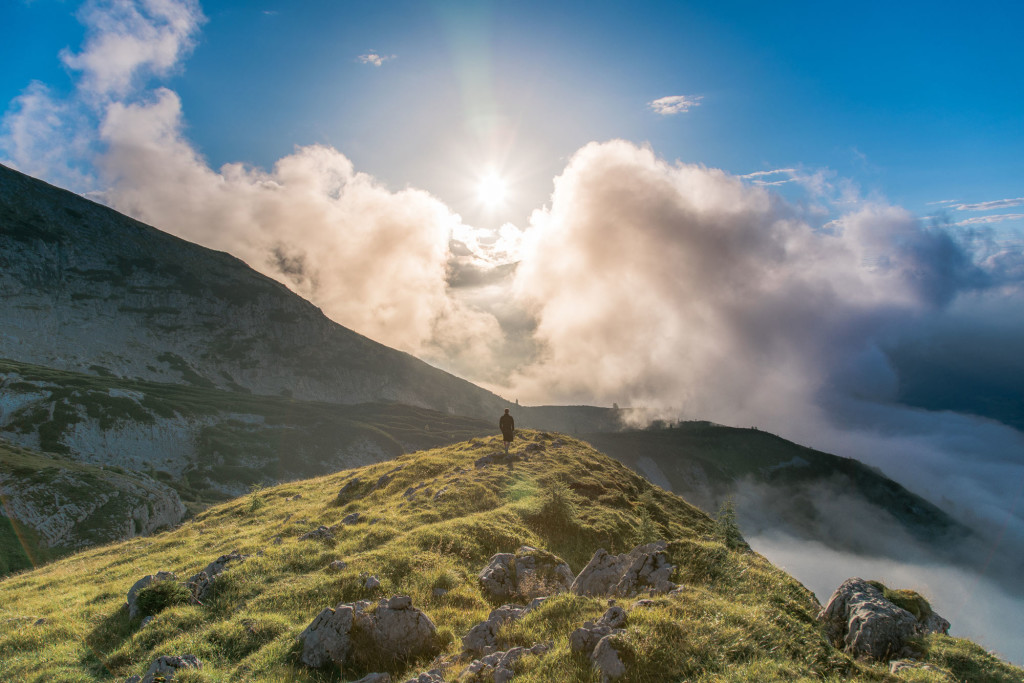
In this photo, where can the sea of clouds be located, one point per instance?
(678, 289)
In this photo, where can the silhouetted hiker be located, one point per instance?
(508, 429)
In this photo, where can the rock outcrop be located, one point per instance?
(859, 619)
(201, 584)
(392, 631)
(645, 569)
(528, 573)
(482, 639)
(165, 668)
(585, 639)
(499, 667)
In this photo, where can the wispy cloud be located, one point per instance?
(374, 58)
(989, 206)
(985, 220)
(675, 104)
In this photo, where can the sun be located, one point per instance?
(491, 190)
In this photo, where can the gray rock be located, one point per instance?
(321, 533)
(500, 666)
(528, 573)
(375, 678)
(337, 565)
(933, 623)
(351, 519)
(132, 598)
(606, 659)
(201, 584)
(146, 622)
(165, 667)
(348, 490)
(326, 639)
(398, 630)
(644, 569)
(909, 665)
(371, 583)
(859, 619)
(483, 638)
(585, 639)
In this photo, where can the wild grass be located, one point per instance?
(738, 617)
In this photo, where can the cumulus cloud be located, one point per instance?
(374, 59)
(128, 39)
(675, 104)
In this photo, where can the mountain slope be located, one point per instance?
(778, 485)
(85, 288)
(428, 522)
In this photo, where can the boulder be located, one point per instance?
(863, 623)
(933, 623)
(482, 639)
(398, 631)
(375, 678)
(321, 533)
(165, 667)
(326, 639)
(394, 631)
(528, 573)
(132, 598)
(606, 658)
(644, 569)
(348, 490)
(337, 565)
(585, 639)
(201, 583)
(351, 519)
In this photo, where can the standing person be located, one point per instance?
(508, 429)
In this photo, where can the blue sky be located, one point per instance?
(920, 102)
(803, 216)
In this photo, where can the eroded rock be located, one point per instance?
(482, 639)
(644, 569)
(586, 638)
(606, 658)
(528, 573)
(859, 619)
(499, 666)
(201, 584)
(165, 667)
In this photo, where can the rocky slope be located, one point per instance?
(52, 506)
(456, 564)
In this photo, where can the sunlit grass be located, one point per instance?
(738, 618)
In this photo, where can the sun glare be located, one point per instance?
(491, 190)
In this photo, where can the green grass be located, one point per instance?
(739, 617)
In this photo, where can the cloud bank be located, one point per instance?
(675, 104)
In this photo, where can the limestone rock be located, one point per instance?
(529, 573)
(326, 639)
(375, 678)
(432, 676)
(483, 638)
(644, 569)
(348, 491)
(351, 519)
(398, 630)
(201, 583)
(933, 623)
(499, 666)
(132, 598)
(165, 667)
(859, 619)
(337, 565)
(321, 533)
(586, 638)
(606, 659)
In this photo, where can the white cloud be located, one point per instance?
(127, 39)
(374, 59)
(997, 218)
(675, 104)
(994, 204)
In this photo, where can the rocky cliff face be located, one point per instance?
(67, 505)
(85, 288)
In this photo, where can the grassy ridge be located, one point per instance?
(739, 618)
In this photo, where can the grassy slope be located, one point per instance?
(740, 618)
(296, 439)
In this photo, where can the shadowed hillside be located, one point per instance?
(424, 525)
